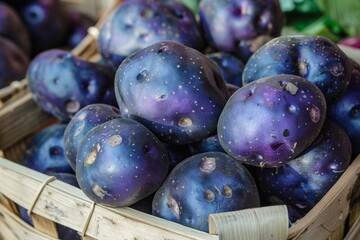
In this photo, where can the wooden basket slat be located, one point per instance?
(69, 206)
(13, 228)
(20, 119)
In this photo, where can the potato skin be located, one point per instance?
(270, 121)
(120, 162)
(315, 58)
(206, 183)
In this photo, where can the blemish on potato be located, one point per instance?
(171, 203)
(208, 164)
(209, 195)
(115, 140)
(227, 191)
(315, 114)
(98, 191)
(91, 157)
(337, 70)
(79, 129)
(303, 70)
(185, 122)
(291, 88)
(142, 76)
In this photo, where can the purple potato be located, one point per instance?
(13, 62)
(346, 111)
(62, 83)
(240, 27)
(12, 27)
(177, 153)
(315, 58)
(120, 162)
(211, 182)
(303, 181)
(174, 90)
(45, 151)
(47, 23)
(268, 122)
(230, 66)
(137, 24)
(84, 120)
(209, 144)
(79, 25)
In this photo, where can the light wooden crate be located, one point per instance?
(335, 217)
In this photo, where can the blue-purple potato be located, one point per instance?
(65, 233)
(120, 162)
(139, 23)
(303, 181)
(315, 58)
(13, 62)
(79, 25)
(177, 153)
(12, 27)
(230, 66)
(45, 152)
(144, 205)
(209, 144)
(174, 90)
(268, 122)
(62, 83)
(206, 183)
(346, 111)
(240, 27)
(84, 120)
(47, 23)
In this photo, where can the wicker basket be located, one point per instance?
(51, 201)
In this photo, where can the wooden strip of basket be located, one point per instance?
(14, 228)
(69, 206)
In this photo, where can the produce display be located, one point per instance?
(194, 107)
